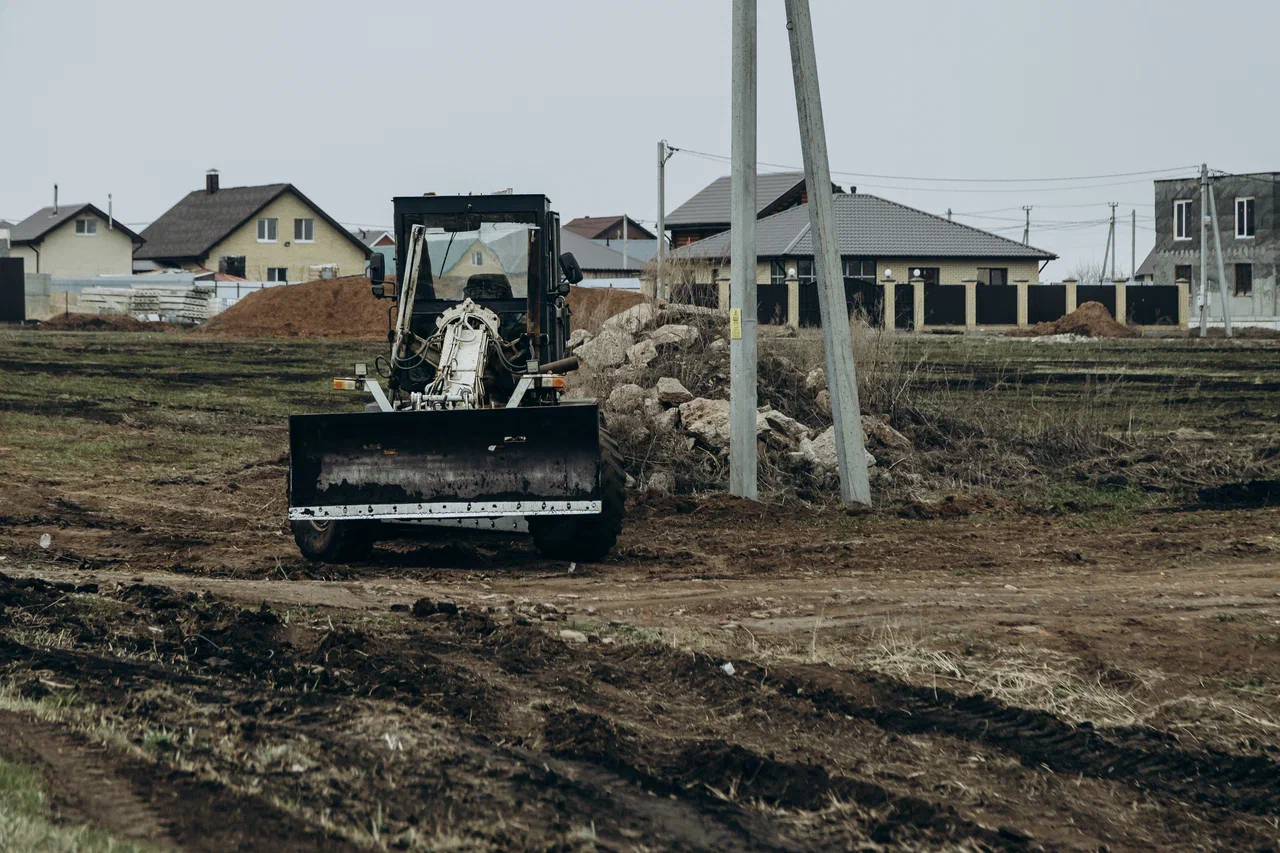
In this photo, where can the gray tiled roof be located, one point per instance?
(45, 220)
(593, 256)
(871, 226)
(711, 204)
(1148, 267)
(201, 220)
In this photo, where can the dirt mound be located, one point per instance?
(1092, 319)
(101, 323)
(328, 308)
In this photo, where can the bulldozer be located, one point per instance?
(474, 427)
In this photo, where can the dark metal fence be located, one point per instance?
(13, 295)
(1151, 304)
(944, 305)
(1046, 302)
(1104, 293)
(996, 304)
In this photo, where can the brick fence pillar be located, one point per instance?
(1071, 294)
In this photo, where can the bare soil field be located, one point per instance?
(1086, 658)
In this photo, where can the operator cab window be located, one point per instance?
(87, 227)
(267, 230)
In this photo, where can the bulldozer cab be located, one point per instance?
(500, 251)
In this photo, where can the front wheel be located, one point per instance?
(587, 538)
(333, 541)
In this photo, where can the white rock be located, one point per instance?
(626, 399)
(45, 541)
(728, 669)
(718, 344)
(823, 401)
(607, 349)
(577, 339)
(815, 380)
(573, 636)
(787, 426)
(662, 482)
(642, 353)
(668, 421)
(676, 334)
(821, 451)
(632, 320)
(707, 420)
(672, 391)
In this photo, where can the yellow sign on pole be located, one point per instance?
(735, 324)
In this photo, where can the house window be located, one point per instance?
(1244, 218)
(1182, 219)
(993, 275)
(930, 275)
(863, 269)
(304, 230)
(267, 230)
(87, 227)
(277, 273)
(1244, 279)
(1182, 272)
(477, 259)
(802, 266)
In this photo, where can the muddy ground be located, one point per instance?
(1101, 671)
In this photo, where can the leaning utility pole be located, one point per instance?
(664, 154)
(1102, 271)
(837, 343)
(1204, 250)
(742, 284)
(1112, 240)
(1026, 230)
(1222, 272)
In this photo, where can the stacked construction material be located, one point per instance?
(181, 305)
(105, 300)
(184, 306)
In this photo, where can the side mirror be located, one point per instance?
(569, 266)
(377, 268)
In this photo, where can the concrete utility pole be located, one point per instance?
(664, 154)
(742, 285)
(1133, 245)
(837, 343)
(1112, 239)
(1204, 250)
(1105, 253)
(1026, 230)
(625, 265)
(1222, 272)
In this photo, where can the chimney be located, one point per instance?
(111, 219)
(55, 200)
(211, 181)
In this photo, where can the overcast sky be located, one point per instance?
(357, 102)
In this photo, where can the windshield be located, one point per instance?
(489, 263)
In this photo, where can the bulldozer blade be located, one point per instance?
(476, 463)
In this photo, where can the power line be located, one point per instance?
(1056, 179)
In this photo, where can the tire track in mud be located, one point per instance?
(1144, 758)
(693, 769)
(91, 784)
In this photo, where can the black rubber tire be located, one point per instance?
(333, 541)
(587, 538)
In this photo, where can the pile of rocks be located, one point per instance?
(629, 365)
